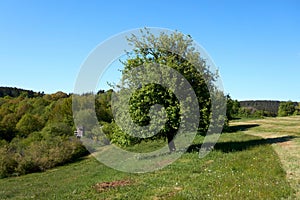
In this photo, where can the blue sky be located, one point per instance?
(255, 44)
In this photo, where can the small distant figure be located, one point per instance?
(79, 132)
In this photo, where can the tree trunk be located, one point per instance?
(171, 144)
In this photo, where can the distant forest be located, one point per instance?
(264, 105)
(15, 92)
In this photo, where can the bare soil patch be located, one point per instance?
(101, 187)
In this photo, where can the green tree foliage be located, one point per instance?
(58, 129)
(36, 132)
(175, 51)
(232, 108)
(286, 109)
(86, 119)
(58, 95)
(8, 126)
(7, 162)
(103, 106)
(15, 92)
(61, 111)
(28, 124)
(297, 109)
(38, 105)
(23, 107)
(35, 154)
(87, 105)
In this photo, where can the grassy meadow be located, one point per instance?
(257, 159)
(287, 131)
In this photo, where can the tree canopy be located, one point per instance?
(150, 59)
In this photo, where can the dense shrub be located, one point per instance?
(232, 108)
(7, 162)
(286, 109)
(58, 129)
(28, 155)
(28, 124)
(245, 112)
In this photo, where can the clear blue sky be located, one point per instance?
(255, 44)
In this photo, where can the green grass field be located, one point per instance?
(250, 162)
(287, 150)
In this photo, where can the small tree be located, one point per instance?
(286, 109)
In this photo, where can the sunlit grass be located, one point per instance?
(241, 166)
(288, 151)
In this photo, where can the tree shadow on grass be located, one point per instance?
(233, 146)
(243, 127)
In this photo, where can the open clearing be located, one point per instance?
(257, 159)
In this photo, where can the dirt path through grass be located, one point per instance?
(287, 150)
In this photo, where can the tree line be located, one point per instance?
(15, 92)
(261, 108)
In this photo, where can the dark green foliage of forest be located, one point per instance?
(260, 108)
(268, 106)
(288, 108)
(15, 92)
(37, 131)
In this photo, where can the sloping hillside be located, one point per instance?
(241, 166)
